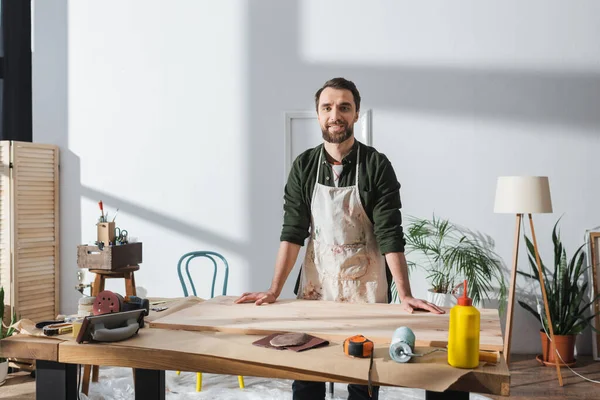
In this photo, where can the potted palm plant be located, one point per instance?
(451, 254)
(4, 332)
(565, 290)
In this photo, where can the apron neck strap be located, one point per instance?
(357, 158)
(319, 164)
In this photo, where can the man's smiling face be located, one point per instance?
(337, 114)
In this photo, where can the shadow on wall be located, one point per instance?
(50, 99)
(275, 69)
(174, 224)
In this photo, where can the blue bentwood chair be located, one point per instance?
(188, 257)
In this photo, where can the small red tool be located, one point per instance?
(101, 209)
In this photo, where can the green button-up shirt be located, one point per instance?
(377, 184)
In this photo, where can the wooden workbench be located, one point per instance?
(155, 350)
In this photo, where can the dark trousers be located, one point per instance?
(306, 390)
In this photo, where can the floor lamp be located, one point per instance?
(524, 195)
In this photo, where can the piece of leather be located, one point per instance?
(312, 343)
(290, 339)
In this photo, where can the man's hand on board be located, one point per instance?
(257, 297)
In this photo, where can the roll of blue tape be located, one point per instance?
(402, 345)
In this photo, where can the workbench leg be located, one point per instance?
(85, 381)
(447, 395)
(95, 373)
(149, 384)
(55, 380)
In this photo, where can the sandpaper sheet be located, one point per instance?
(312, 343)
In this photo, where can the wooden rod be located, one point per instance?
(511, 293)
(541, 276)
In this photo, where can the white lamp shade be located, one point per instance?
(523, 195)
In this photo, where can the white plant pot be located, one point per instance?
(441, 299)
(3, 371)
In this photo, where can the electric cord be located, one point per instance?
(539, 309)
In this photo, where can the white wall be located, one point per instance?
(174, 114)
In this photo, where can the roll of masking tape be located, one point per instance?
(402, 345)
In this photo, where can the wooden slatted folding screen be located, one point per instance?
(34, 233)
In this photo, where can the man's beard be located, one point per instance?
(337, 137)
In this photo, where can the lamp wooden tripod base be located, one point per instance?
(511, 295)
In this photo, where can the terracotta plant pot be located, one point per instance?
(565, 345)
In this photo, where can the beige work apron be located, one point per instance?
(342, 260)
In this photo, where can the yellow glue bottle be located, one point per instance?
(463, 334)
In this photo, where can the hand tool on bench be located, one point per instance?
(361, 347)
(57, 329)
(111, 327)
(358, 346)
(42, 324)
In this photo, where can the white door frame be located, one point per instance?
(364, 133)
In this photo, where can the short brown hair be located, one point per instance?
(340, 83)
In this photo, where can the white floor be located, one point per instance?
(117, 383)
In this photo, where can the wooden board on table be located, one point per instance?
(325, 319)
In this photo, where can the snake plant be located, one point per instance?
(565, 288)
(451, 254)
